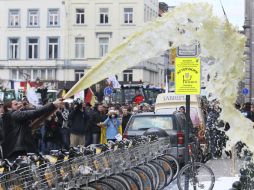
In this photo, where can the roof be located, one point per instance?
(151, 114)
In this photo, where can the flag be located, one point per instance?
(80, 95)
(31, 95)
(112, 80)
(90, 97)
(28, 86)
(63, 93)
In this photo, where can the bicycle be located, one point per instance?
(195, 176)
(140, 164)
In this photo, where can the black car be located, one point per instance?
(173, 124)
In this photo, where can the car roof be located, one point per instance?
(151, 114)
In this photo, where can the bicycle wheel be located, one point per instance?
(147, 182)
(162, 175)
(83, 188)
(173, 163)
(117, 184)
(150, 173)
(166, 166)
(100, 185)
(122, 179)
(156, 175)
(196, 176)
(134, 175)
(133, 183)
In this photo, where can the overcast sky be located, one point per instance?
(233, 8)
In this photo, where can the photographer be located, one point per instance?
(112, 124)
(78, 119)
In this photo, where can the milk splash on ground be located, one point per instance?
(184, 25)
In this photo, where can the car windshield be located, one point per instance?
(193, 114)
(146, 122)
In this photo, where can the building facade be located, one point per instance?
(248, 82)
(58, 41)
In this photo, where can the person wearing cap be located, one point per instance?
(112, 123)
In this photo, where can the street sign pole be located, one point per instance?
(186, 139)
(187, 82)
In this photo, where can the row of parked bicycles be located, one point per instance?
(139, 164)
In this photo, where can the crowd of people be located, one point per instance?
(59, 125)
(25, 128)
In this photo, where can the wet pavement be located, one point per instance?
(225, 173)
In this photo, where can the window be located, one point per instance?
(43, 74)
(14, 48)
(14, 74)
(39, 74)
(25, 74)
(103, 46)
(145, 122)
(33, 18)
(128, 15)
(103, 15)
(51, 74)
(79, 47)
(33, 48)
(53, 17)
(127, 76)
(80, 16)
(21, 74)
(53, 48)
(14, 18)
(79, 74)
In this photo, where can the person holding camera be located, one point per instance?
(18, 129)
(112, 123)
(78, 119)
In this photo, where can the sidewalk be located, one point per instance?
(223, 171)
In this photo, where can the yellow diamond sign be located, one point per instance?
(187, 75)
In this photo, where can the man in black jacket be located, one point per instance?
(126, 117)
(97, 116)
(78, 119)
(18, 135)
